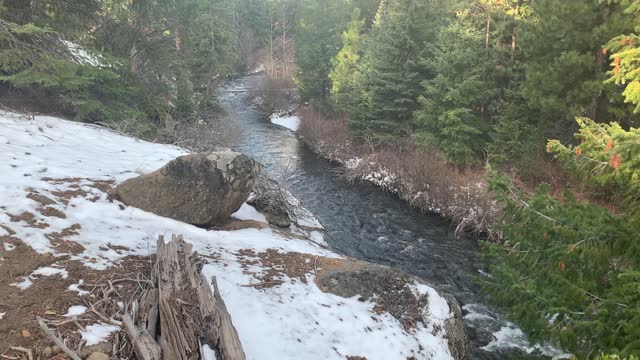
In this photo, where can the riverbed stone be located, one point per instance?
(199, 189)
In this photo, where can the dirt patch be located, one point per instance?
(49, 211)
(279, 267)
(50, 298)
(39, 198)
(28, 218)
(74, 186)
(62, 244)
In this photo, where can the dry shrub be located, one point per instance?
(421, 176)
(211, 133)
(274, 94)
(331, 137)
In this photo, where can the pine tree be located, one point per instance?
(568, 272)
(565, 63)
(391, 72)
(345, 73)
(317, 42)
(455, 104)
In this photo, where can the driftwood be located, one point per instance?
(183, 310)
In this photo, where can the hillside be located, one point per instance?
(62, 235)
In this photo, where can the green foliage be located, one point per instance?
(345, 73)
(391, 73)
(564, 60)
(317, 42)
(568, 272)
(454, 104)
(607, 159)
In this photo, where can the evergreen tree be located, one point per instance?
(391, 72)
(455, 105)
(565, 66)
(317, 42)
(345, 72)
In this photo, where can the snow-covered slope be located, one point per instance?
(73, 165)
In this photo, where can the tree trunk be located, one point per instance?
(487, 29)
(182, 310)
(516, 12)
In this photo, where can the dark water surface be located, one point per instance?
(369, 224)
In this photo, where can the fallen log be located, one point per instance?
(182, 310)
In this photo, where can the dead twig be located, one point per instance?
(23, 350)
(56, 340)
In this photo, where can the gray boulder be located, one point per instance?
(390, 290)
(199, 189)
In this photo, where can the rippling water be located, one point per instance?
(366, 223)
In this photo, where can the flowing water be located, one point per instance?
(368, 224)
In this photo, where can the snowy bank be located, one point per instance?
(291, 122)
(54, 196)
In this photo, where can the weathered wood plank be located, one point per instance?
(188, 309)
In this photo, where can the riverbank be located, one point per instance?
(421, 177)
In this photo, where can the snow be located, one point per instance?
(76, 288)
(27, 281)
(24, 284)
(76, 310)
(8, 247)
(81, 55)
(208, 353)
(248, 212)
(50, 271)
(281, 322)
(97, 333)
(291, 122)
(2, 314)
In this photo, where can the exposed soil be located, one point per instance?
(49, 297)
(292, 266)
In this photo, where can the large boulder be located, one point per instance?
(394, 292)
(199, 189)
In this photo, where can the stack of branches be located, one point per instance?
(171, 300)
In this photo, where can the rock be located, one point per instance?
(278, 218)
(98, 356)
(391, 290)
(47, 352)
(103, 347)
(43, 200)
(454, 328)
(199, 189)
(244, 224)
(56, 349)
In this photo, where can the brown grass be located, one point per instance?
(421, 176)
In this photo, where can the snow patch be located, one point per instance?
(76, 288)
(248, 212)
(81, 55)
(24, 284)
(291, 122)
(8, 247)
(76, 310)
(50, 271)
(97, 333)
